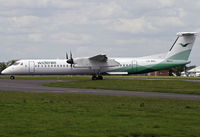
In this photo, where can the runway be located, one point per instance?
(37, 86)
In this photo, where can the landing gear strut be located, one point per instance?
(95, 77)
(12, 77)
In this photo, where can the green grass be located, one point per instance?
(59, 115)
(169, 86)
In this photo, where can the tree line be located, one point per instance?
(177, 70)
(4, 65)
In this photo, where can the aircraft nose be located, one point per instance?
(4, 72)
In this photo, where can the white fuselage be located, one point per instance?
(61, 67)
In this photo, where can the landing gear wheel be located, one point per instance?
(94, 77)
(12, 77)
(100, 77)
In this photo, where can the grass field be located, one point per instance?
(59, 115)
(170, 86)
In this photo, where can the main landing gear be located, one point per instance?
(12, 77)
(95, 77)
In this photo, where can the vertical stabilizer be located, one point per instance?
(182, 47)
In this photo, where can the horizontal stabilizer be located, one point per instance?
(186, 33)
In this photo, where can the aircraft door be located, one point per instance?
(134, 65)
(31, 66)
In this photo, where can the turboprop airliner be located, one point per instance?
(101, 64)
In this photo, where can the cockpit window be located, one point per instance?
(16, 63)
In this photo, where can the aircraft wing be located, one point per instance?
(99, 58)
(95, 62)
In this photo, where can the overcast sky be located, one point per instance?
(118, 28)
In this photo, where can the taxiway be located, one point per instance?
(37, 86)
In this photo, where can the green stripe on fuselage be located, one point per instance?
(173, 61)
(150, 68)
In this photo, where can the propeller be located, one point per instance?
(66, 56)
(70, 60)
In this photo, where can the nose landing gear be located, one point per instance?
(12, 77)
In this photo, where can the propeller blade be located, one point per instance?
(70, 60)
(70, 55)
(66, 55)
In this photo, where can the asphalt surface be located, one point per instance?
(36, 86)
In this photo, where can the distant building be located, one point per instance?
(159, 73)
(195, 72)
